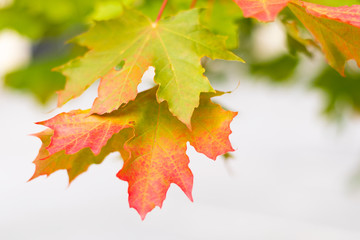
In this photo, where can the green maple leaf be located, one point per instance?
(173, 46)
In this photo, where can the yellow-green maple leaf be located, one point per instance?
(173, 46)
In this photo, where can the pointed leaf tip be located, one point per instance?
(75, 164)
(76, 130)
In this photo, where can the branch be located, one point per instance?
(193, 3)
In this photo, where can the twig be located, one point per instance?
(193, 3)
(161, 10)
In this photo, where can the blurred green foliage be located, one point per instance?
(277, 70)
(49, 24)
(41, 18)
(342, 93)
(38, 78)
(334, 3)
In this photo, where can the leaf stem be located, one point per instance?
(193, 3)
(161, 10)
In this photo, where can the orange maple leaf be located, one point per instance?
(153, 145)
(337, 29)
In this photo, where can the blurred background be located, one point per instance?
(295, 173)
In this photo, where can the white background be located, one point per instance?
(290, 177)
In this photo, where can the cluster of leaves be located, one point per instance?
(151, 129)
(162, 120)
(49, 29)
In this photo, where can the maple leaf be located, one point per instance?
(346, 14)
(155, 155)
(173, 46)
(335, 28)
(263, 10)
(158, 150)
(77, 163)
(77, 129)
(211, 129)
